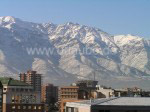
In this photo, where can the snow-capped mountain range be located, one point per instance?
(68, 52)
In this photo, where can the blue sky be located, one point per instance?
(112, 16)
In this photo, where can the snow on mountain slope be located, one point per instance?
(134, 51)
(127, 39)
(77, 52)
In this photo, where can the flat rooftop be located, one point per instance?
(116, 101)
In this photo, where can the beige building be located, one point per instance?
(104, 92)
(67, 94)
(17, 96)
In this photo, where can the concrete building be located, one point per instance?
(116, 104)
(128, 92)
(104, 92)
(49, 93)
(17, 96)
(82, 90)
(32, 78)
(67, 94)
(87, 88)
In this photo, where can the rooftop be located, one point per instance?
(11, 82)
(117, 101)
(68, 87)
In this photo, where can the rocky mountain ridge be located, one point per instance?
(68, 52)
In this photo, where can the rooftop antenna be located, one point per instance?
(94, 75)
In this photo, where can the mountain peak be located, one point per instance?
(9, 19)
(71, 23)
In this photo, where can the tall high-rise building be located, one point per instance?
(49, 93)
(32, 78)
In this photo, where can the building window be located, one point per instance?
(13, 89)
(29, 107)
(13, 107)
(24, 107)
(17, 89)
(76, 110)
(13, 99)
(70, 109)
(21, 89)
(39, 107)
(30, 90)
(34, 107)
(19, 107)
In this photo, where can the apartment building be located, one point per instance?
(17, 96)
(67, 94)
(32, 78)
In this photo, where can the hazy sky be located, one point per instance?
(112, 16)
